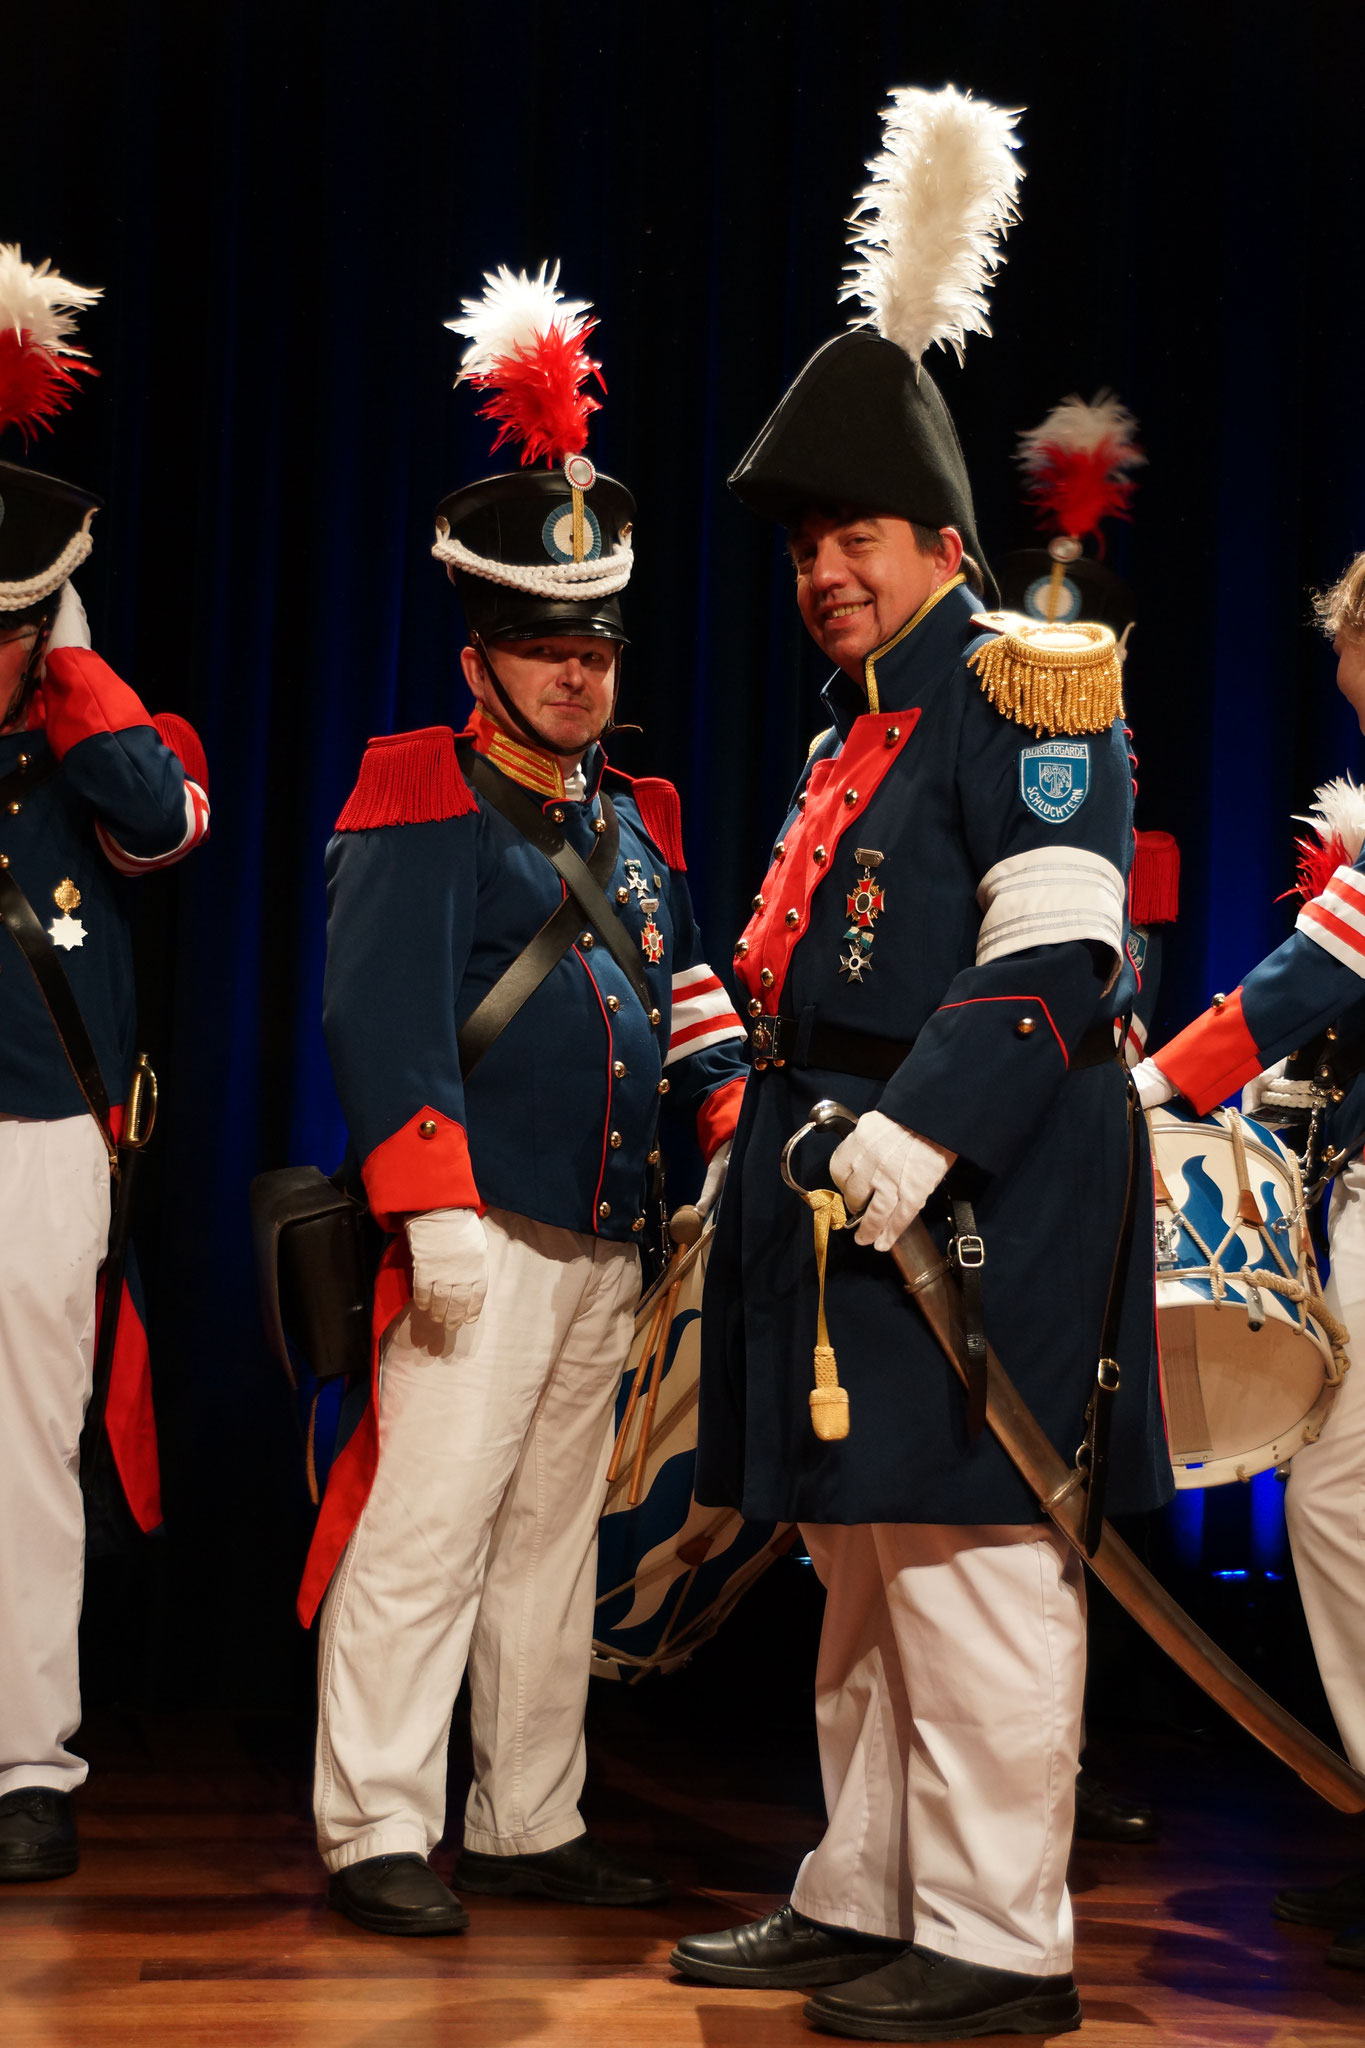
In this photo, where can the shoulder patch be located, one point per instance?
(1053, 678)
(408, 778)
(660, 809)
(1054, 779)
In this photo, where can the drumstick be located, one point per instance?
(646, 1358)
(637, 1477)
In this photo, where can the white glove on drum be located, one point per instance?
(449, 1266)
(715, 1178)
(1153, 1089)
(70, 627)
(889, 1173)
(1254, 1090)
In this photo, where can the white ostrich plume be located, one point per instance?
(40, 302)
(926, 230)
(514, 309)
(1079, 429)
(1338, 813)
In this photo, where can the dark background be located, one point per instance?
(284, 202)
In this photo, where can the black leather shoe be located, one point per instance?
(923, 1996)
(582, 1872)
(37, 1835)
(396, 1895)
(1101, 1816)
(1348, 1950)
(1323, 1905)
(785, 1952)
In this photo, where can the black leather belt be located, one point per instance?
(791, 1042)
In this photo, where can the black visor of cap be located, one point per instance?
(39, 517)
(862, 428)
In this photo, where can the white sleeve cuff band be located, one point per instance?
(1046, 897)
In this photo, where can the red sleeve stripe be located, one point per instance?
(698, 1037)
(1336, 919)
(702, 1014)
(196, 829)
(692, 980)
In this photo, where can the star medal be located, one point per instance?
(636, 879)
(66, 931)
(866, 902)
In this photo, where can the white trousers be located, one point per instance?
(478, 1543)
(1325, 1502)
(948, 1703)
(54, 1230)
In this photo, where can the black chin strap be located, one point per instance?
(519, 718)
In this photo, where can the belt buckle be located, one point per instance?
(969, 1252)
(763, 1037)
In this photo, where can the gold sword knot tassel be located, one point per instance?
(828, 1400)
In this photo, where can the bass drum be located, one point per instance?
(1250, 1356)
(668, 1571)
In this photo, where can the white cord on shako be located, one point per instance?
(564, 580)
(15, 596)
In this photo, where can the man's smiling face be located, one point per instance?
(859, 579)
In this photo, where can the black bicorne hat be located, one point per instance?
(1087, 591)
(523, 522)
(864, 428)
(44, 534)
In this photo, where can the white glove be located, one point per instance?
(1153, 1089)
(449, 1266)
(70, 627)
(715, 1178)
(1254, 1090)
(889, 1173)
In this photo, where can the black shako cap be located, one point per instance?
(526, 518)
(862, 428)
(1090, 591)
(38, 516)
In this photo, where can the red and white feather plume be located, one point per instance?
(525, 349)
(39, 364)
(1338, 822)
(1078, 465)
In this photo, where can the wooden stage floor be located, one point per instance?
(197, 1918)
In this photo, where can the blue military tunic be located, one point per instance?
(949, 878)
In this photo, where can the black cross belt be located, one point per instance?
(791, 1042)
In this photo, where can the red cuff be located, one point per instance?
(1212, 1056)
(424, 1165)
(718, 1115)
(82, 696)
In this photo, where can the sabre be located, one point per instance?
(138, 1119)
(1058, 1489)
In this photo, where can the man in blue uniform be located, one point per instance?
(92, 790)
(1310, 994)
(939, 944)
(503, 1040)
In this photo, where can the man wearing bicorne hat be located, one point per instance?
(514, 984)
(92, 790)
(939, 945)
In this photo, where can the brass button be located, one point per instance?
(801, 801)
(14, 810)
(893, 733)
(779, 849)
(623, 895)
(618, 1068)
(1331, 1031)
(1218, 1002)
(663, 1087)
(613, 1004)
(850, 797)
(819, 855)
(604, 1210)
(24, 760)
(638, 1224)
(557, 815)
(615, 1141)
(655, 1017)
(599, 826)
(758, 900)
(741, 948)
(793, 917)
(652, 1158)
(1337, 1094)
(1026, 1027)
(4, 860)
(585, 941)
(755, 1007)
(426, 1129)
(766, 977)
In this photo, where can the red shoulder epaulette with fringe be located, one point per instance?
(408, 778)
(1154, 884)
(660, 809)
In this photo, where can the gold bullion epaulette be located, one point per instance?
(1054, 678)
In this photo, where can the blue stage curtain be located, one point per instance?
(284, 203)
